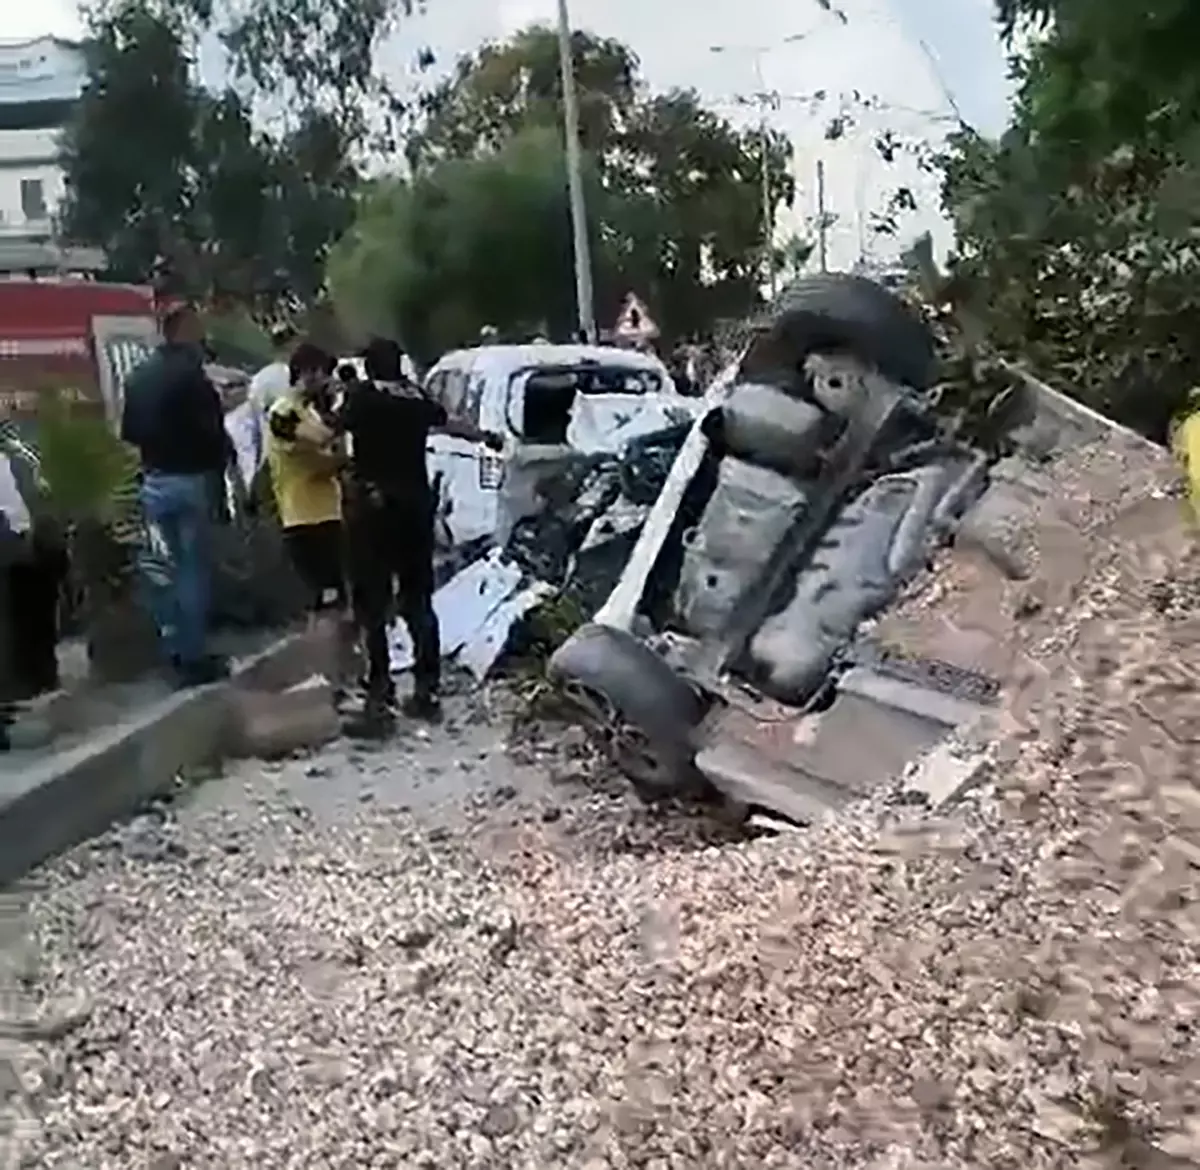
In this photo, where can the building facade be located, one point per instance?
(40, 82)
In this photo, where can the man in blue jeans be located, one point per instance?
(173, 415)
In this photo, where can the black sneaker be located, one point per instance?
(374, 721)
(209, 669)
(385, 694)
(427, 708)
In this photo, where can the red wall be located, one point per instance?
(46, 336)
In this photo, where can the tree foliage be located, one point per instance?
(206, 189)
(467, 243)
(1077, 232)
(675, 200)
(289, 54)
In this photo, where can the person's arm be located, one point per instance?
(131, 412)
(436, 419)
(306, 437)
(257, 406)
(211, 419)
(462, 429)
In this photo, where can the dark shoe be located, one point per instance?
(374, 721)
(386, 694)
(427, 708)
(209, 669)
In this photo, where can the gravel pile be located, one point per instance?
(569, 981)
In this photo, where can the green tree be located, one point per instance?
(468, 243)
(288, 54)
(509, 86)
(128, 153)
(1076, 232)
(173, 179)
(679, 205)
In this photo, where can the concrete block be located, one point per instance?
(947, 772)
(58, 800)
(64, 798)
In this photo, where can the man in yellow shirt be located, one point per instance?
(305, 458)
(1187, 449)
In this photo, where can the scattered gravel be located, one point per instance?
(328, 965)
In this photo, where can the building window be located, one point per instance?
(33, 199)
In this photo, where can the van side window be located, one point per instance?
(436, 385)
(454, 393)
(620, 380)
(549, 397)
(473, 399)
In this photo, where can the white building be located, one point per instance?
(40, 82)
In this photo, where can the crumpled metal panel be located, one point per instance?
(875, 544)
(749, 513)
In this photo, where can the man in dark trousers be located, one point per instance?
(390, 518)
(173, 416)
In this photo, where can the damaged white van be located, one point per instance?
(554, 405)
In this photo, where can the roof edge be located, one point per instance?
(27, 42)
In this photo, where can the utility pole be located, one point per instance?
(768, 204)
(579, 222)
(822, 218)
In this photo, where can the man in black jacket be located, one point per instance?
(390, 519)
(173, 415)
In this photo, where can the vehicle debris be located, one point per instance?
(577, 544)
(744, 651)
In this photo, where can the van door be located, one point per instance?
(618, 403)
(466, 475)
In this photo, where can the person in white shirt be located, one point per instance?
(270, 384)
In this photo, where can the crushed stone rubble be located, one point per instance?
(569, 980)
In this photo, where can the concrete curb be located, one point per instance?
(73, 795)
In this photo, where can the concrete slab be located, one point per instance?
(50, 801)
(947, 772)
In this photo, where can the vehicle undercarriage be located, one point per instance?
(742, 648)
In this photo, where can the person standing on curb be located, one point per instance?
(173, 416)
(391, 525)
(305, 460)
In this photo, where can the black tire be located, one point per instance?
(837, 311)
(643, 711)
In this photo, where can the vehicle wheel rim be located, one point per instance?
(636, 756)
(595, 706)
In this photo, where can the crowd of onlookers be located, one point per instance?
(340, 452)
(337, 449)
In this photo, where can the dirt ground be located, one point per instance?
(447, 953)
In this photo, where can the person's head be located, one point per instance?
(283, 339)
(384, 360)
(182, 326)
(310, 368)
(347, 374)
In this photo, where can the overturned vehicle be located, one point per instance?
(736, 652)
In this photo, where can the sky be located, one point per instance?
(916, 60)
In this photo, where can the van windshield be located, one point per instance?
(617, 380)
